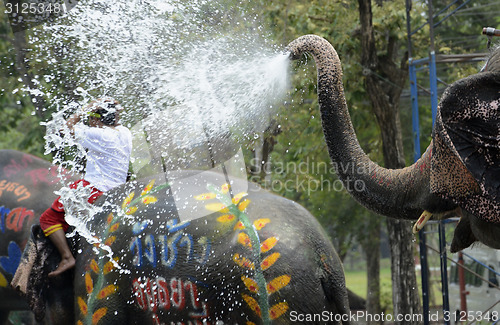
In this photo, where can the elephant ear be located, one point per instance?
(466, 146)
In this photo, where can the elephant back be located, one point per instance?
(188, 247)
(27, 185)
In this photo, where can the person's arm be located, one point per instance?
(71, 121)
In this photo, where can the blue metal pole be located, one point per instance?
(444, 272)
(416, 144)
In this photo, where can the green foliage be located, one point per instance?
(19, 127)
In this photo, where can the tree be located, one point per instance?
(385, 76)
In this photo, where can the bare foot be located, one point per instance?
(64, 265)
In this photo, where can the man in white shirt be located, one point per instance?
(109, 146)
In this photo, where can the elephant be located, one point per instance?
(183, 247)
(458, 175)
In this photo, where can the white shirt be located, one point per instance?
(108, 154)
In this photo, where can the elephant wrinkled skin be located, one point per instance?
(458, 175)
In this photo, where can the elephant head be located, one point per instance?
(188, 249)
(459, 174)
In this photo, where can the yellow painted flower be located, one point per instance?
(278, 283)
(148, 188)
(148, 199)
(83, 306)
(251, 284)
(217, 207)
(269, 261)
(110, 218)
(244, 240)
(109, 266)
(114, 227)
(108, 290)
(131, 210)
(239, 226)
(205, 196)
(98, 315)
(89, 284)
(277, 310)
(226, 218)
(243, 205)
(268, 244)
(242, 261)
(238, 197)
(127, 200)
(110, 240)
(261, 223)
(252, 303)
(225, 188)
(94, 266)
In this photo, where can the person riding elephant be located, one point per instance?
(109, 146)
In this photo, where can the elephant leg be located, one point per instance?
(463, 236)
(485, 232)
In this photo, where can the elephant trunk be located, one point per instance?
(396, 193)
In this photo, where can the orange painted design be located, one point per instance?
(252, 303)
(94, 266)
(149, 199)
(250, 323)
(148, 188)
(89, 285)
(109, 266)
(243, 261)
(269, 261)
(98, 315)
(82, 305)
(278, 310)
(244, 240)
(226, 218)
(127, 200)
(114, 227)
(243, 205)
(131, 210)
(261, 223)
(238, 197)
(278, 283)
(110, 289)
(205, 196)
(268, 244)
(217, 207)
(239, 226)
(251, 284)
(110, 218)
(110, 240)
(79, 322)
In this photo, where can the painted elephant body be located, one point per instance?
(170, 250)
(458, 175)
(27, 184)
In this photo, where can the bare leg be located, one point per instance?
(67, 259)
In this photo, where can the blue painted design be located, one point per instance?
(11, 262)
(150, 249)
(136, 246)
(3, 212)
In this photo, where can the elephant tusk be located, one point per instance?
(426, 215)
